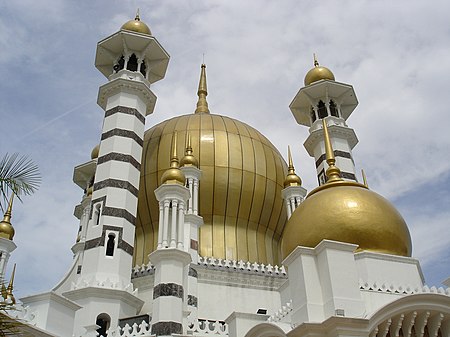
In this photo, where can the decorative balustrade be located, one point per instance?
(242, 266)
(401, 289)
(281, 313)
(143, 270)
(206, 326)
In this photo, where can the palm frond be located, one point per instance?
(18, 174)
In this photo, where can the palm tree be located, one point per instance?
(18, 174)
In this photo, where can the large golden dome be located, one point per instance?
(240, 188)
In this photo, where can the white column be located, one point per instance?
(165, 227)
(195, 196)
(180, 237)
(161, 222)
(173, 229)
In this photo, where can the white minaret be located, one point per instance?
(170, 258)
(293, 192)
(132, 59)
(324, 98)
(7, 245)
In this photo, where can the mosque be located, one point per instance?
(198, 227)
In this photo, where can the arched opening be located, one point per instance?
(110, 244)
(103, 321)
(97, 214)
(143, 68)
(120, 64)
(322, 109)
(313, 115)
(333, 109)
(132, 64)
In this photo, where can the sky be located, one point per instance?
(395, 54)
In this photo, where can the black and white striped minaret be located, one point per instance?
(132, 59)
(324, 98)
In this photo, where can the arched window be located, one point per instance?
(97, 214)
(110, 244)
(313, 115)
(333, 109)
(132, 63)
(120, 64)
(322, 109)
(143, 68)
(103, 321)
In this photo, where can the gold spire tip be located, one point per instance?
(333, 173)
(316, 63)
(174, 159)
(291, 164)
(137, 17)
(202, 104)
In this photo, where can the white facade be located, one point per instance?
(327, 290)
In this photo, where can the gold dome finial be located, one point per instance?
(318, 73)
(173, 175)
(6, 229)
(292, 179)
(189, 159)
(202, 104)
(137, 25)
(9, 290)
(333, 173)
(364, 178)
(316, 63)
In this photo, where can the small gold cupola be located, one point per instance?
(173, 175)
(202, 104)
(95, 151)
(318, 73)
(292, 179)
(6, 228)
(136, 25)
(189, 159)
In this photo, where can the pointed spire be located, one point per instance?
(202, 104)
(9, 290)
(333, 173)
(6, 229)
(189, 159)
(292, 179)
(364, 178)
(8, 213)
(173, 174)
(174, 160)
(137, 18)
(316, 63)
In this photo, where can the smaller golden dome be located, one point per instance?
(6, 229)
(137, 25)
(94, 152)
(174, 175)
(318, 73)
(346, 211)
(292, 179)
(189, 159)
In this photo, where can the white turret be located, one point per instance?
(324, 98)
(170, 258)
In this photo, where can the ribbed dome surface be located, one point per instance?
(240, 189)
